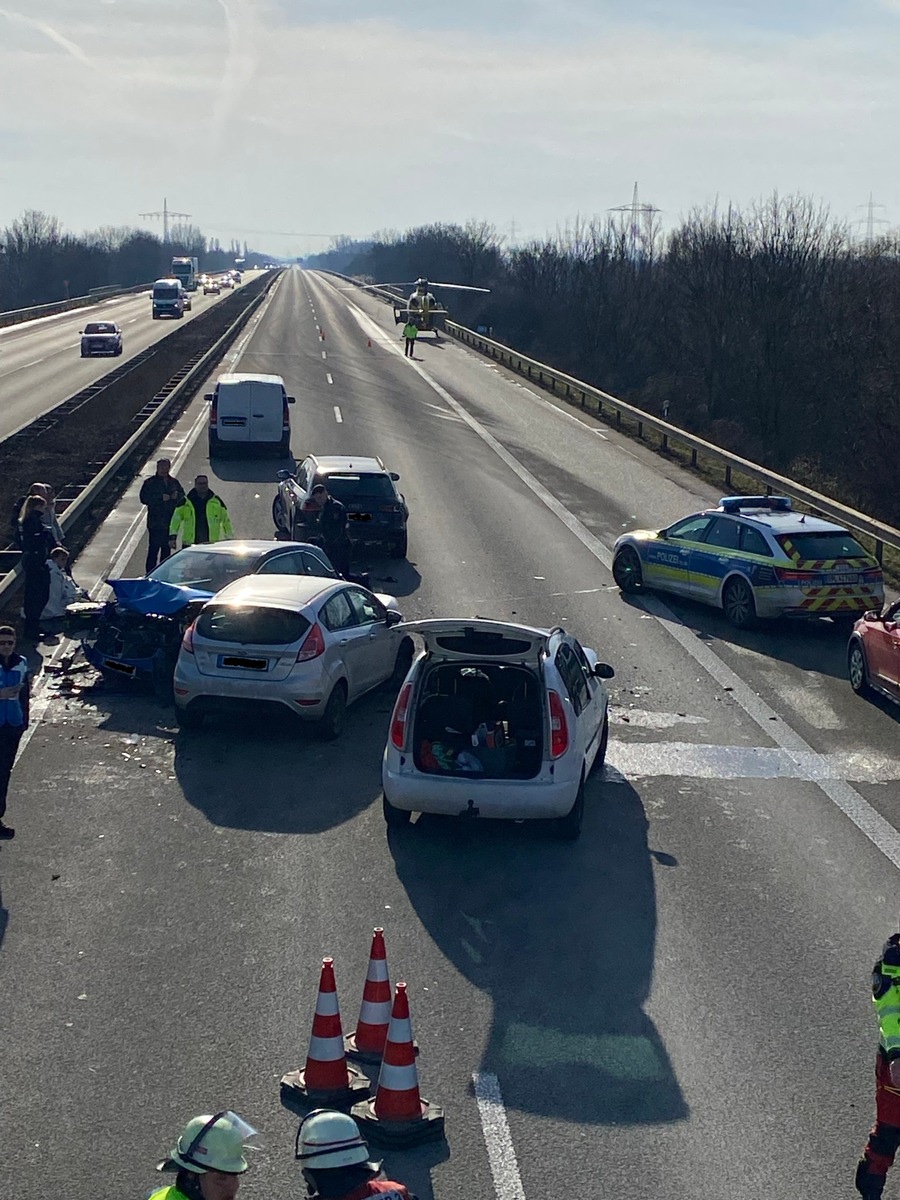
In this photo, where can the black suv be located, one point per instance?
(376, 509)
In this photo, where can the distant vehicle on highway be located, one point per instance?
(376, 509)
(101, 337)
(311, 646)
(249, 413)
(873, 655)
(754, 557)
(496, 720)
(169, 299)
(187, 271)
(211, 288)
(225, 281)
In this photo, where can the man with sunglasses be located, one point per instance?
(14, 696)
(208, 1159)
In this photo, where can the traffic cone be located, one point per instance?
(398, 1116)
(326, 1078)
(366, 1043)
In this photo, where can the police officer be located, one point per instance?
(885, 1136)
(336, 1163)
(208, 1159)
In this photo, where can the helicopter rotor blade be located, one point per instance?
(458, 287)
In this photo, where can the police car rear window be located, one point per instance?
(825, 544)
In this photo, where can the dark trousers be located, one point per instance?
(341, 555)
(885, 1136)
(410, 347)
(10, 735)
(158, 548)
(37, 593)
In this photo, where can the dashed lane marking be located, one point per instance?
(497, 1138)
(337, 415)
(329, 377)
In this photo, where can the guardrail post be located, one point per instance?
(583, 399)
(640, 429)
(879, 551)
(665, 441)
(618, 418)
(728, 474)
(694, 457)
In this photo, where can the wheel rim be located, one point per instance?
(857, 669)
(628, 571)
(738, 604)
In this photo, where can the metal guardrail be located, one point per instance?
(592, 399)
(168, 398)
(15, 316)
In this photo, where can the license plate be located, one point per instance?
(123, 668)
(248, 664)
(360, 516)
(234, 421)
(843, 579)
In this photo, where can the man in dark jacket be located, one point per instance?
(332, 526)
(162, 494)
(14, 695)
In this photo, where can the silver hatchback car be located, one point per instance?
(307, 644)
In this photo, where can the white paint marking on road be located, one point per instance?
(337, 415)
(324, 355)
(853, 805)
(329, 377)
(639, 718)
(497, 1138)
(637, 760)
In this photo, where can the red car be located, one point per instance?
(873, 655)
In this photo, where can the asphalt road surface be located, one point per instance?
(674, 1006)
(41, 363)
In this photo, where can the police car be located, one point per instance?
(754, 557)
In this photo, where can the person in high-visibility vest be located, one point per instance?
(410, 332)
(884, 1139)
(208, 1159)
(336, 1163)
(201, 517)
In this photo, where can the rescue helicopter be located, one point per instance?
(421, 307)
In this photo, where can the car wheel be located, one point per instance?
(399, 548)
(331, 723)
(395, 818)
(627, 571)
(84, 354)
(189, 718)
(738, 604)
(857, 669)
(568, 828)
(600, 758)
(279, 516)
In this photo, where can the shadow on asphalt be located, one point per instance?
(4, 919)
(562, 937)
(234, 469)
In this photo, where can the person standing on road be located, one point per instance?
(332, 526)
(208, 1159)
(201, 517)
(14, 697)
(884, 1139)
(36, 542)
(410, 332)
(336, 1163)
(161, 493)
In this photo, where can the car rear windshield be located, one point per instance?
(99, 327)
(246, 625)
(822, 544)
(204, 569)
(352, 488)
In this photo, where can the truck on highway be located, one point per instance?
(187, 270)
(169, 299)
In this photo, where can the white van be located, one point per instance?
(248, 412)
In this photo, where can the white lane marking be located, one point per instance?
(867, 819)
(329, 377)
(497, 1138)
(337, 415)
(639, 718)
(132, 321)
(324, 355)
(637, 759)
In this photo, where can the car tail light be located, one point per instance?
(399, 716)
(187, 642)
(213, 411)
(313, 644)
(788, 575)
(559, 730)
(391, 508)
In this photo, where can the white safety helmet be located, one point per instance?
(327, 1139)
(212, 1142)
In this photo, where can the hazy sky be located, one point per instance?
(293, 117)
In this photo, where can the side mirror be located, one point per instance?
(393, 617)
(661, 533)
(395, 476)
(292, 399)
(283, 475)
(604, 671)
(209, 397)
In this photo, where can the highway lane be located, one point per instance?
(40, 363)
(646, 998)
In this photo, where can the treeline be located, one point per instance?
(768, 332)
(41, 263)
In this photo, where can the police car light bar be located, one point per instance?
(736, 503)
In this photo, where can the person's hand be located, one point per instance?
(173, 542)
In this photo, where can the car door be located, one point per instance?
(882, 648)
(667, 562)
(381, 642)
(267, 402)
(578, 700)
(595, 712)
(289, 562)
(349, 640)
(710, 559)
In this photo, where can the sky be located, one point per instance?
(287, 122)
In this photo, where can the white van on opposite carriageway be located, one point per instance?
(249, 412)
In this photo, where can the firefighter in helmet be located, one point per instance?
(208, 1159)
(336, 1163)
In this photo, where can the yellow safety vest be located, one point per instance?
(168, 1193)
(886, 998)
(184, 520)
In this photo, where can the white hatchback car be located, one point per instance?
(310, 645)
(496, 720)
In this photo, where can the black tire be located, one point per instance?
(119, 351)
(568, 828)
(857, 668)
(189, 718)
(395, 818)
(627, 571)
(600, 757)
(738, 604)
(331, 724)
(84, 354)
(213, 446)
(399, 548)
(279, 516)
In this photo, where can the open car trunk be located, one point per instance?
(481, 721)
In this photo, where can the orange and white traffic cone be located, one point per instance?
(366, 1043)
(399, 1116)
(326, 1078)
